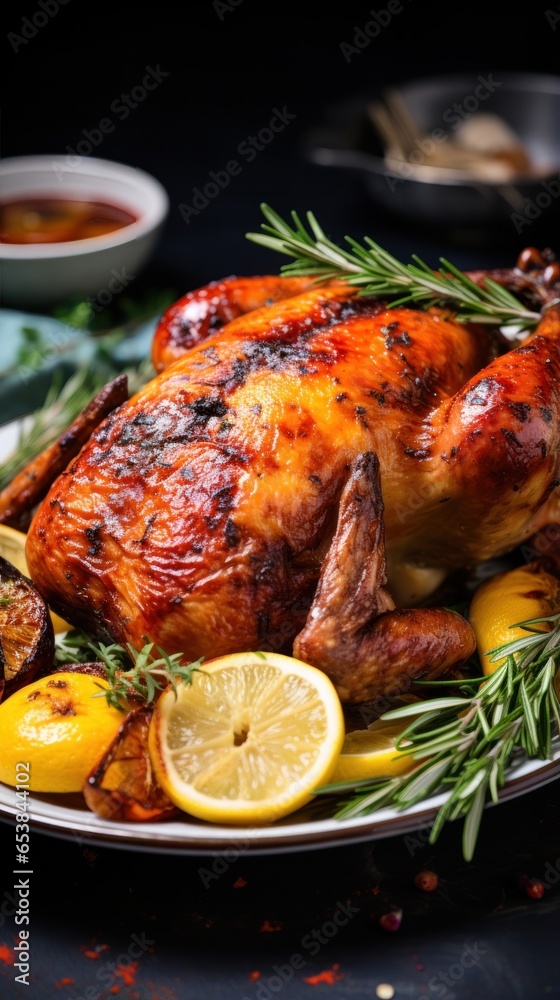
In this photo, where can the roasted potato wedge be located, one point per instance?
(123, 786)
(26, 631)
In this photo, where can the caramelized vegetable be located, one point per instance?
(26, 631)
(95, 669)
(34, 481)
(123, 785)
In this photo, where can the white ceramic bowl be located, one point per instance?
(34, 275)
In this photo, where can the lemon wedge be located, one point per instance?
(517, 595)
(249, 740)
(12, 548)
(60, 727)
(372, 753)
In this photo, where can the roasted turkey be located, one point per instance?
(304, 472)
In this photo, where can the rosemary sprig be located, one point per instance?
(380, 274)
(131, 673)
(465, 744)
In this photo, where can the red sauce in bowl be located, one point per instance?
(59, 220)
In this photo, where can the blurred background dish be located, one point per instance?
(451, 150)
(74, 227)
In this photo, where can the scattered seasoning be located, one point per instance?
(267, 926)
(66, 981)
(95, 952)
(115, 989)
(162, 992)
(426, 880)
(127, 973)
(391, 921)
(239, 883)
(385, 991)
(6, 955)
(253, 976)
(329, 976)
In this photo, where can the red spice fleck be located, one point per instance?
(66, 981)
(253, 976)
(127, 973)
(239, 883)
(329, 976)
(376, 890)
(420, 967)
(426, 880)
(115, 989)
(96, 951)
(6, 955)
(275, 925)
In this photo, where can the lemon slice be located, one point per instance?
(12, 548)
(371, 753)
(249, 740)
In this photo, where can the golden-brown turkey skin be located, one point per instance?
(204, 311)
(199, 512)
(194, 513)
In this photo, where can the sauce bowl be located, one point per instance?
(37, 275)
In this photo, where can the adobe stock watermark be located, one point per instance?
(31, 26)
(225, 7)
(470, 956)
(454, 116)
(120, 109)
(553, 17)
(533, 208)
(248, 149)
(310, 945)
(379, 19)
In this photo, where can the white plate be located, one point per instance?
(67, 816)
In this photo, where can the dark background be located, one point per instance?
(225, 78)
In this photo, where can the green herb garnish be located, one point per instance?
(378, 273)
(131, 673)
(465, 743)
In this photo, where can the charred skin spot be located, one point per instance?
(521, 411)
(391, 339)
(534, 595)
(93, 536)
(55, 683)
(209, 406)
(511, 436)
(231, 531)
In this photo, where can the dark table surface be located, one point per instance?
(149, 927)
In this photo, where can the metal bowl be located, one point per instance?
(528, 103)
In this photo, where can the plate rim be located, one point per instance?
(535, 774)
